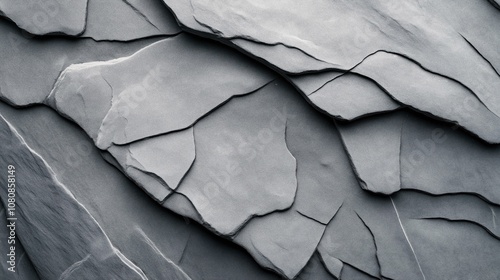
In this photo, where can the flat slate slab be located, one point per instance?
(299, 38)
(47, 17)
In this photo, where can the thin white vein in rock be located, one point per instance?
(407, 239)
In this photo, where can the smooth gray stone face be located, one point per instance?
(121, 20)
(439, 158)
(243, 167)
(349, 96)
(328, 140)
(438, 96)
(349, 241)
(39, 61)
(475, 252)
(373, 146)
(316, 270)
(46, 17)
(285, 34)
(130, 20)
(404, 151)
(120, 207)
(166, 158)
(153, 80)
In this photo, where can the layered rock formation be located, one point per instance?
(162, 139)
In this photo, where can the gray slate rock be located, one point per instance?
(243, 167)
(373, 145)
(420, 154)
(126, 20)
(157, 164)
(350, 96)
(353, 31)
(47, 17)
(121, 207)
(50, 221)
(39, 61)
(174, 92)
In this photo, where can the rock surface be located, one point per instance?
(429, 35)
(162, 139)
(48, 230)
(46, 17)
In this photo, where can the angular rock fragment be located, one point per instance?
(125, 20)
(434, 94)
(373, 146)
(166, 158)
(348, 240)
(31, 65)
(438, 158)
(351, 273)
(452, 207)
(47, 17)
(50, 221)
(332, 264)
(190, 80)
(243, 167)
(271, 240)
(420, 154)
(351, 32)
(120, 207)
(316, 270)
(351, 96)
(325, 181)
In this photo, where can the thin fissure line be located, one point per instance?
(407, 239)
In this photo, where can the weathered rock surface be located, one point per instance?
(131, 20)
(285, 34)
(375, 156)
(50, 221)
(154, 80)
(39, 61)
(121, 207)
(46, 17)
(404, 151)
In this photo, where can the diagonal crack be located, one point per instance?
(407, 239)
(139, 13)
(374, 242)
(480, 54)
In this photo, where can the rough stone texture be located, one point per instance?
(374, 150)
(121, 207)
(146, 152)
(285, 34)
(131, 20)
(404, 151)
(39, 61)
(351, 96)
(123, 89)
(46, 17)
(51, 221)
